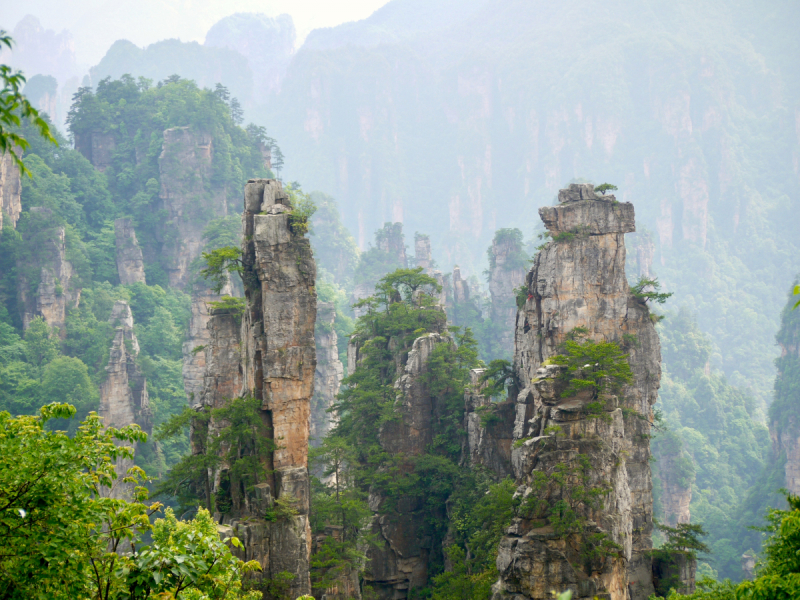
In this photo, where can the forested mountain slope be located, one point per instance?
(689, 107)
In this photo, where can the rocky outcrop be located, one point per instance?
(422, 252)
(10, 191)
(391, 240)
(123, 395)
(45, 283)
(329, 372)
(490, 429)
(397, 561)
(97, 147)
(786, 442)
(271, 357)
(189, 198)
(507, 268)
(578, 281)
(130, 264)
(674, 570)
(198, 338)
(676, 485)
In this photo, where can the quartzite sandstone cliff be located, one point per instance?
(45, 286)
(123, 395)
(10, 190)
(189, 197)
(329, 372)
(272, 357)
(130, 264)
(576, 281)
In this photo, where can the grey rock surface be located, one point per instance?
(130, 264)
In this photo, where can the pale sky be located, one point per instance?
(96, 24)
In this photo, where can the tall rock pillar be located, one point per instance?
(130, 264)
(53, 293)
(271, 356)
(123, 395)
(329, 372)
(10, 190)
(578, 281)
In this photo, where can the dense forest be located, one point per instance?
(127, 254)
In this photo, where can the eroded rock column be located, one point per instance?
(10, 191)
(329, 372)
(578, 281)
(271, 356)
(123, 395)
(130, 264)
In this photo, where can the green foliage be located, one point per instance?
(229, 305)
(716, 440)
(601, 367)
(777, 575)
(219, 263)
(684, 537)
(521, 296)
(646, 289)
(498, 376)
(14, 108)
(580, 491)
(239, 443)
(383, 258)
(303, 208)
(516, 258)
(605, 187)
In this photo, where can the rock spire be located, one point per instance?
(577, 286)
(130, 264)
(123, 395)
(270, 355)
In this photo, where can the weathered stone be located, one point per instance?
(579, 281)
(676, 492)
(130, 264)
(488, 446)
(10, 190)
(123, 394)
(198, 337)
(505, 274)
(54, 292)
(749, 565)
(460, 287)
(270, 354)
(398, 559)
(189, 198)
(674, 570)
(329, 372)
(422, 253)
(98, 148)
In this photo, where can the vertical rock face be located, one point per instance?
(460, 287)
(189, 198)
(422, 252)
(676, 493)
(784, 426)
(505, 274)
(490, 445)
(398, 560)
(53, 294)
(198, 338)
(123, 395)
(329, 372)
(10, 190)
(272, 357)
(579, 281)
(97, 148)
(130, 264)
(390, 239)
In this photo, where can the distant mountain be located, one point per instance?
(459, 122)
(266, 43)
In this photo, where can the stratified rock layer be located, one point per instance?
(198, 338)
(130, 264)
(123, 395)
(10, 190)
(329, 373)
(188, 196)
(579, 281)
(54, 292)
(271, 357)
